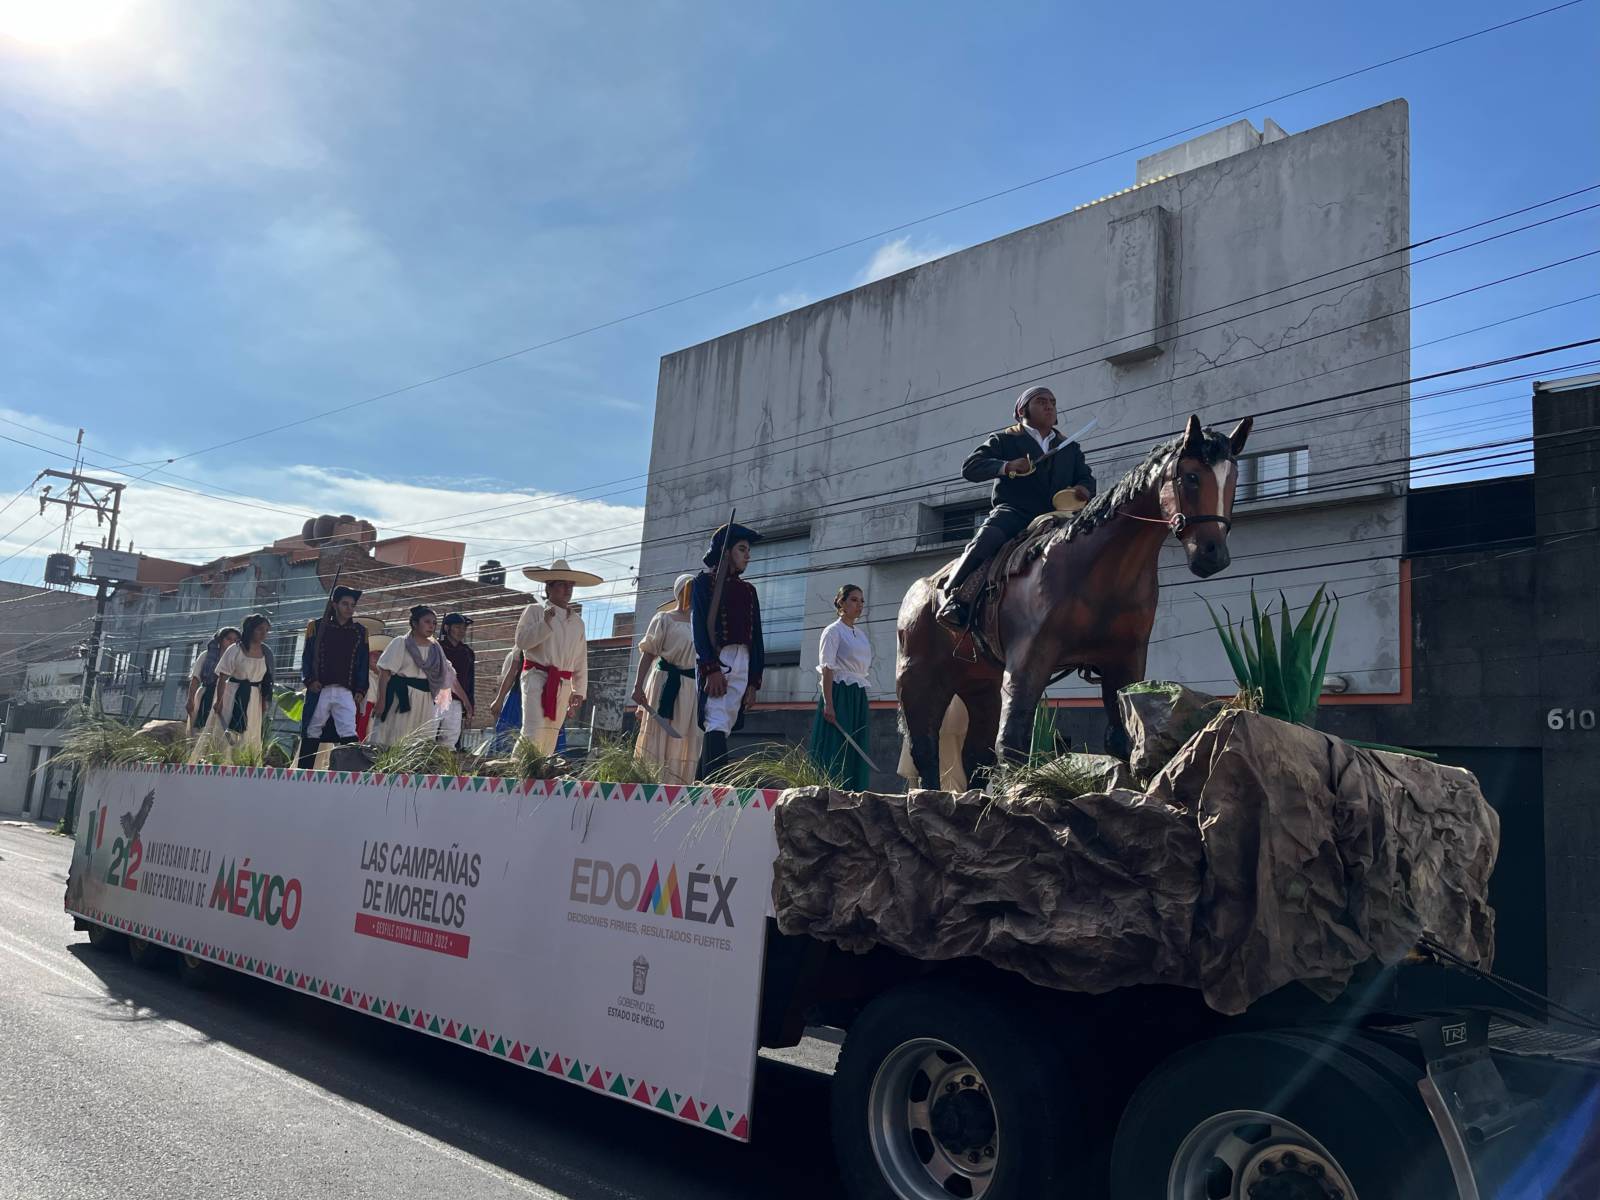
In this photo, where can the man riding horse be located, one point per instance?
(1082, 599)
(1022, 490)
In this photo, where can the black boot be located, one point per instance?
(714, 755)
(954, 612)
(308, 753)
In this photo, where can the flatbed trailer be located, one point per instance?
(621, 938)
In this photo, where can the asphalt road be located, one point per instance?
(119, 1081)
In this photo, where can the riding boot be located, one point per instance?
(714, 755)
(308, 753)
(991, 536)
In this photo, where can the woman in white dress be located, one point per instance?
(413, 675)
(244, 690)
(668, 691)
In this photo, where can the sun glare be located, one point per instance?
(59, 24)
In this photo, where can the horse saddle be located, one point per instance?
(985, 589)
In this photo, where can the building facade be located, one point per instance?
(157, 625)
(1241, 274)
(43, 635)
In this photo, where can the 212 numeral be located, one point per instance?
(129, 856)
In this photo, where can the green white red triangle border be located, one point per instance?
(659, 1098)
(712, 795)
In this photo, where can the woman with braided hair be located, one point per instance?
(244, 690)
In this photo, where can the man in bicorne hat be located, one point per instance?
(465, 661)
(727, 645)
(555, 654)
(1020, 491)
(334, 666)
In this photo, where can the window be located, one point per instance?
(155, 673)
(778, 569)
(121, 664)
(1272, 474)
(286, 650)
(959, 523)
(947, 524)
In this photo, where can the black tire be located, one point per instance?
(1039, 1107)
(1358, 1103)
(105, 940)
(196, 973)
(146, 954)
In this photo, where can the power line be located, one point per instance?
(893, 229)
(805, 568)
(543, 505)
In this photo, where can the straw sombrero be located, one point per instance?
(560, 572)
(372, 625)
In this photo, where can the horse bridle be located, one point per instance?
(1180, 522)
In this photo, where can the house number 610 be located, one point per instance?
(1567, 718)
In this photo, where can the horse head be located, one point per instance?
(1197, 493)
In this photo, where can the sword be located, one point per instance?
(854, 746)
(667, 726)
(1049, 454)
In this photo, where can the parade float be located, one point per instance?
(1094, 971)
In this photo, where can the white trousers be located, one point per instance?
(722, 711)
(336, 702)
(543, 733)
(450, 723)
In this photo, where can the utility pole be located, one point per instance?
(104, 497)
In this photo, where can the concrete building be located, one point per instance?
(42, 640)
(1240, 273)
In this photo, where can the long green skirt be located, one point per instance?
(830, 751)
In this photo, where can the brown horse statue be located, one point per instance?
(1085, 601)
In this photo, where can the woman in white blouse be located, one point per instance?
(844, 661)
(238, 720)
(668, 691)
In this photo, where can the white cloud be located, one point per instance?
(899, 255)
(763, 307)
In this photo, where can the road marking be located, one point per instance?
(6, 852)
(44, 966)
(38, 912)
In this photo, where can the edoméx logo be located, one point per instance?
(703, 897)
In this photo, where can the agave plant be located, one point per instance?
(291, 704)
(1044, 745)
(1285, 670)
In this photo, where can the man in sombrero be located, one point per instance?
(555, 654)
(728, 646)
(335, 669)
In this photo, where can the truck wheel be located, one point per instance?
(145, 954)
(104, 940)
(196, 972)
(1279, 1116)
(942, 1093)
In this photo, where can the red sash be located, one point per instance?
(552, 685)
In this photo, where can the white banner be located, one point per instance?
(608, 934)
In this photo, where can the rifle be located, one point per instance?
(316, 635)
(714, 609)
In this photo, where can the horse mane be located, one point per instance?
(1215, 448)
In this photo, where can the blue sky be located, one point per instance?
(219, 218)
